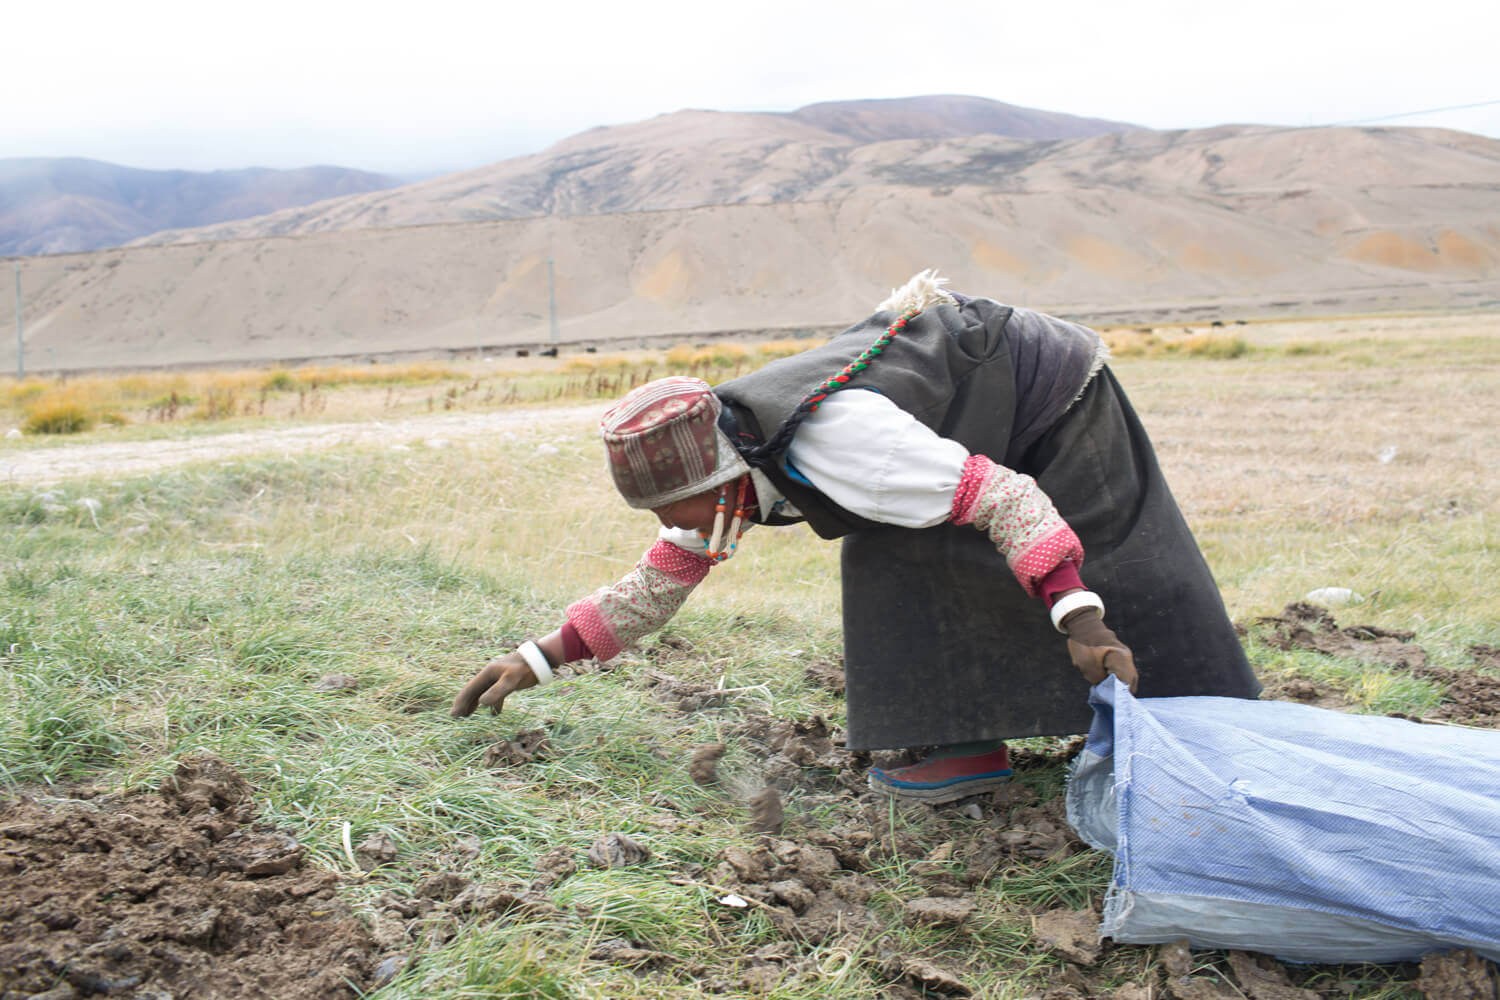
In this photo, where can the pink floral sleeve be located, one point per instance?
(1018, 517)
(642, 602)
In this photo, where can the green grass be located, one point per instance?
(196, 609)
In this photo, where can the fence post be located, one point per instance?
(20, 342)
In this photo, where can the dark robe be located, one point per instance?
(941, 644)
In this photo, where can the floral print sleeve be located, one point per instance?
(1018, 517)
(642, 602)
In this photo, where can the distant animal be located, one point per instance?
(550, 352)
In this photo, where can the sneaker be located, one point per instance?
(944, 779)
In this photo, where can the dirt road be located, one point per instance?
(42, 466)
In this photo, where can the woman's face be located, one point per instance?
(695, 512)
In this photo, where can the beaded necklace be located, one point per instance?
(737, 526)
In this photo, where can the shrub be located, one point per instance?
(216, 406)
(680, 357)
(1207, 345)
(773, 349)
(1298, 348)
(58, 417)
(279, 381)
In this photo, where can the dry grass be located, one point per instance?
(1349, 458)
(359, 392)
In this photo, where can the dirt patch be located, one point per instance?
(1458, 975)
(529, 745)
(1470, 697)
(50, 465)
(807, 890)
(1486, 656)
(1261, 978)
(826, 674)
(1308, 626)
(1073, 934)
(170, 895)
(616, 850)
(1301, 690)
(822, 884)
(804, 753)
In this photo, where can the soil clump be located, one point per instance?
(172, 894)
(1470, 697)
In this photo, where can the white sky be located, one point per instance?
(426, 86)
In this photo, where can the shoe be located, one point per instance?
(943, 779)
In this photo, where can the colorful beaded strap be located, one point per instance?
(814, 399)
(859, 364)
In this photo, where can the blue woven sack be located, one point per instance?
(1307, 834)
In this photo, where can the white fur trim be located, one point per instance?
(923, 290)
(1101, 358)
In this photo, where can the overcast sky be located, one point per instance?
(426, 86)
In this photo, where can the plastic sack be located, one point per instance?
(1307, 834)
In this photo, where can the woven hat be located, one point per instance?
(664, 443)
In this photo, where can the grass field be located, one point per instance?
(197, 609)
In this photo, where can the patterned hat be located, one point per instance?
(664, 443)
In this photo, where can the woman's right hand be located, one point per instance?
(1096, 651)
(491, 686)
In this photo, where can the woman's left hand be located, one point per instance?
(1096, 651)
(491, 686)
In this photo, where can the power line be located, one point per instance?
(1410, 114)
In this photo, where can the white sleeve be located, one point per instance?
(874, 459)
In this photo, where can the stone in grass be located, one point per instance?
(375, 850)
(615, 850)
(388, 969)
(1073, 934)
(934, 978)
(1333, 597)
(940, 911)
(337, 682)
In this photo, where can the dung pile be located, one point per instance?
(169, 895)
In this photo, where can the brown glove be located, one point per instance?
(492, 685)
(1096, 651)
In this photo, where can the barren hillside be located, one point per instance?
(804, 229)
(682, 160)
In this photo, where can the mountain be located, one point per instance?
(66, 205)
(700, 223)
(947, 116)
(685, 159)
